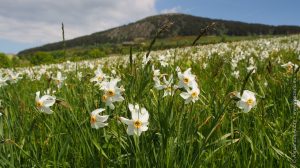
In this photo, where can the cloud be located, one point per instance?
(171, 10)
(39, 21)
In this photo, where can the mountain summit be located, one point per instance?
(184, 25)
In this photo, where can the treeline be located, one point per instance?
(8, 61)
(42, 57)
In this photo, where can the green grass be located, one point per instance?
(211, 132)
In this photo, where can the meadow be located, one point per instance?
(219, 105)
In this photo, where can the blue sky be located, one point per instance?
(274, 12)
(35, 22)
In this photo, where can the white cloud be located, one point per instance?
(171, 10)
(40, 20)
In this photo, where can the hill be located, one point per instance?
(184, 25)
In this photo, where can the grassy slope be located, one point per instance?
(210, 133)
(160, 44)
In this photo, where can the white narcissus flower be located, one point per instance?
(251, 67)
(157, 83)
(297, 102)
(146, 60)
(191, 95)
(79, 75)
(247, 101)
(14, 77)
(156, 76)
(139, 122)
(289, 66)
(251, 61)
(234, 64)
(236, 74)
(98, 121)
(99, 76)
(49, 91)
(44, 103)
(168, 91)
(166, 85)
(59, 79)
(162, 60)
(156, 72)
(186, 79)
(112, 93)
(91, 66)
(0, 107)
(113, 72)
(178, 69)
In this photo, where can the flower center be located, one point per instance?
(186, 80)
(93, 119)
(250, 101)
(39, 104)
(99, 78)
(110, 93)
(194, 94)
(137, 124)
(290, 68)
(57, 81)
(104, 98)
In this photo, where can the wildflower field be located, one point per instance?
(221, 105)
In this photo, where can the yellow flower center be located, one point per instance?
(169, 88)
(99, 78)
(104, 98)
(57, 81)
(137, 124)
(110, 93)
(194, 94)
(93, 119)
(250, 101)
(39, 104)
(289, 68)
(186, 80)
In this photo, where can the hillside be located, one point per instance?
(184, 25)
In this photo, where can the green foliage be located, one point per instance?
(96, 53)
(5, 62)
(41, 58)
(58, 54)
(11, 61)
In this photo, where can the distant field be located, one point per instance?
(106, 50)
(217, 105)
(188, 40)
